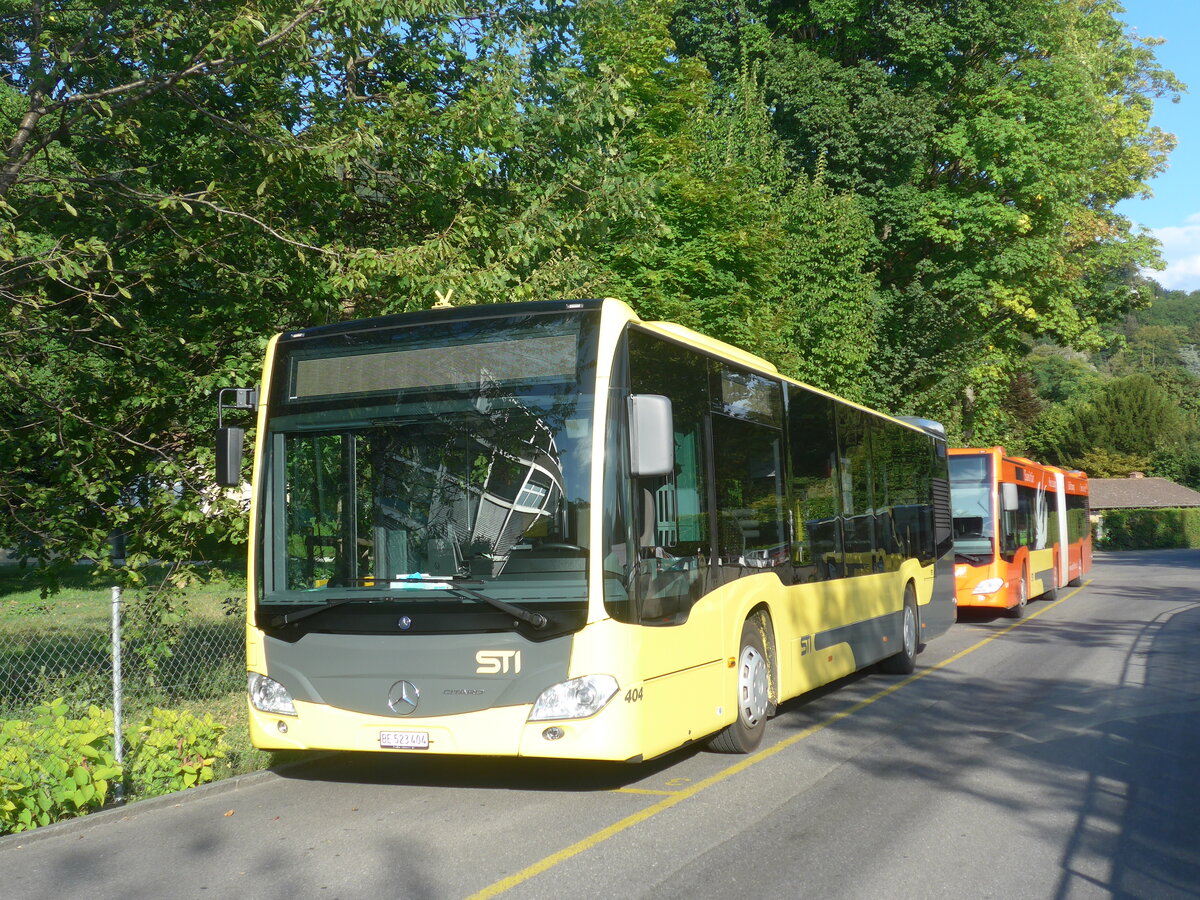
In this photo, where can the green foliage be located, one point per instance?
(987, 141)
(1101, 462)
(1173, 309)
(740, 234)
(54, 767)
(173, 750)
(1146, 529)
(1131, 415)
(885, 199)
(1060, 375)
(1155, 347)
(1180, 464)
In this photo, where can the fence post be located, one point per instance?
(118, 737)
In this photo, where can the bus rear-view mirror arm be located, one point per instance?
(651, 436)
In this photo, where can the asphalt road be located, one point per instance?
(1058, 756)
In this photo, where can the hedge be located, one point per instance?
(1150, 529)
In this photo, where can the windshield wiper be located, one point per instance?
(454, 584)
(536, 619)
(307, 611)
(973, 557)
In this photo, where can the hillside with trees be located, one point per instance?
(916, 210)
(1133, 406)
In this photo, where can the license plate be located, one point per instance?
(404, 740)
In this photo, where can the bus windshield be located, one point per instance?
(404, 460)
(971, 498)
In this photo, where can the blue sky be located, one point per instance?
(1173, 213)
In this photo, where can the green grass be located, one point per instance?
(191, 658)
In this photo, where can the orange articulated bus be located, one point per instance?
(1021, 529)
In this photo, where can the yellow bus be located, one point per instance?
(554, 530)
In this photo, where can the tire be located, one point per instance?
(905, 661)
(1018, 611)
(753, 695)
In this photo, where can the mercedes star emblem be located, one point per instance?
(403, 698)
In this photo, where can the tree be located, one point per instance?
(181, 182)
(989, 143)
(1130, 415)
(884, 200)
(124, 258)
(1154, 347)
(1061, 375)
(749, 251)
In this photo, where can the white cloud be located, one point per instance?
(1181, 252)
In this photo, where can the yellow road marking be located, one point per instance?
(642, 791)
(674, 798)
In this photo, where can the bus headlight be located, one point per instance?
(574, 699)
(269, 695)
(988, 586)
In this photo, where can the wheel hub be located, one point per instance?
(910, 631)
(753, 692)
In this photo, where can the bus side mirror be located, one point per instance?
(230, 437)
(229, 455)
(1008, 497)
(651, 436)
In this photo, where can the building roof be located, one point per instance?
(1139, 493)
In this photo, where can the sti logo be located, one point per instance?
(497, 662)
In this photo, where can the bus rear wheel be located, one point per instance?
(753, 695)
(905, 661)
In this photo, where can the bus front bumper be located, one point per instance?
(611, 734)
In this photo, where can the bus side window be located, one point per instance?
(899, 457)
(816, 549)
(858, 512)
(672, 510)
(748, 445)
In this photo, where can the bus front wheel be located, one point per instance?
(1018, 611)
(753, 695)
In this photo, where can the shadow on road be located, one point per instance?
(1185, 559)
(499, 773)
(1141, 806)
(1123, 758)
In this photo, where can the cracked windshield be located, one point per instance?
(409, 459)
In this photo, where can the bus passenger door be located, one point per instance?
(680, 651)
(1064, 538)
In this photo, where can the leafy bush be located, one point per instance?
(174, 750)
(54, 767)
(1146, 529)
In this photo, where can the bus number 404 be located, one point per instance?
(633, 695)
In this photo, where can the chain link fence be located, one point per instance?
(171, 654)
